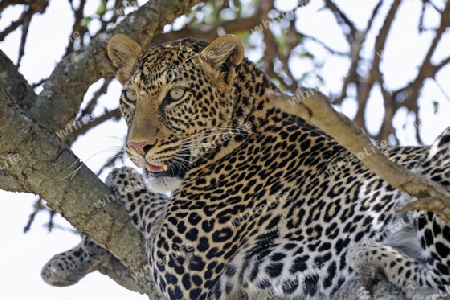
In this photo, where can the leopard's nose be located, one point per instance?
(141, 147)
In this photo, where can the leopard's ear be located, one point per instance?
(222, 56)
(123, 53)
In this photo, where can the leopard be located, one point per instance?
(261, 201)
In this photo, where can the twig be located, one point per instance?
(37, 207)
(209, 32)
(341, 18)
(92, 104)
(111, 162)
(94, 122)
(325, 46)
(355, 56)
(374, 72)
(427, 69)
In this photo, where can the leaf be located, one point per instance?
(101, 9)
(303, 77)
(282, 43)
(238, 6)
(244, 37)
(306, 55)
(134, 4)
(85, 22)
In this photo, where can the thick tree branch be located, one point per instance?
(68, 186)
(14, 82)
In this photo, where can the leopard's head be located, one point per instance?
(179, 102)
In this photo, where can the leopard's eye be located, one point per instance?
(176, 93)
(130, 95)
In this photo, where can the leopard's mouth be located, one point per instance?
(170, 170)
(156, 168)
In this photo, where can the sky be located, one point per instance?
(23, 255)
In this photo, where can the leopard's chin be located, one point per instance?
(162, 184)
(163, 178)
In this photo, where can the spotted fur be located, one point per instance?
(276, 207)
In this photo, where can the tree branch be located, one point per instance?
(107, 115)
(355, 56)
(68, 186)
(374, 72)
(316, 108)
(341, 18)
(14, 82)
(64, 90)
(427, 69)
(209, 32)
